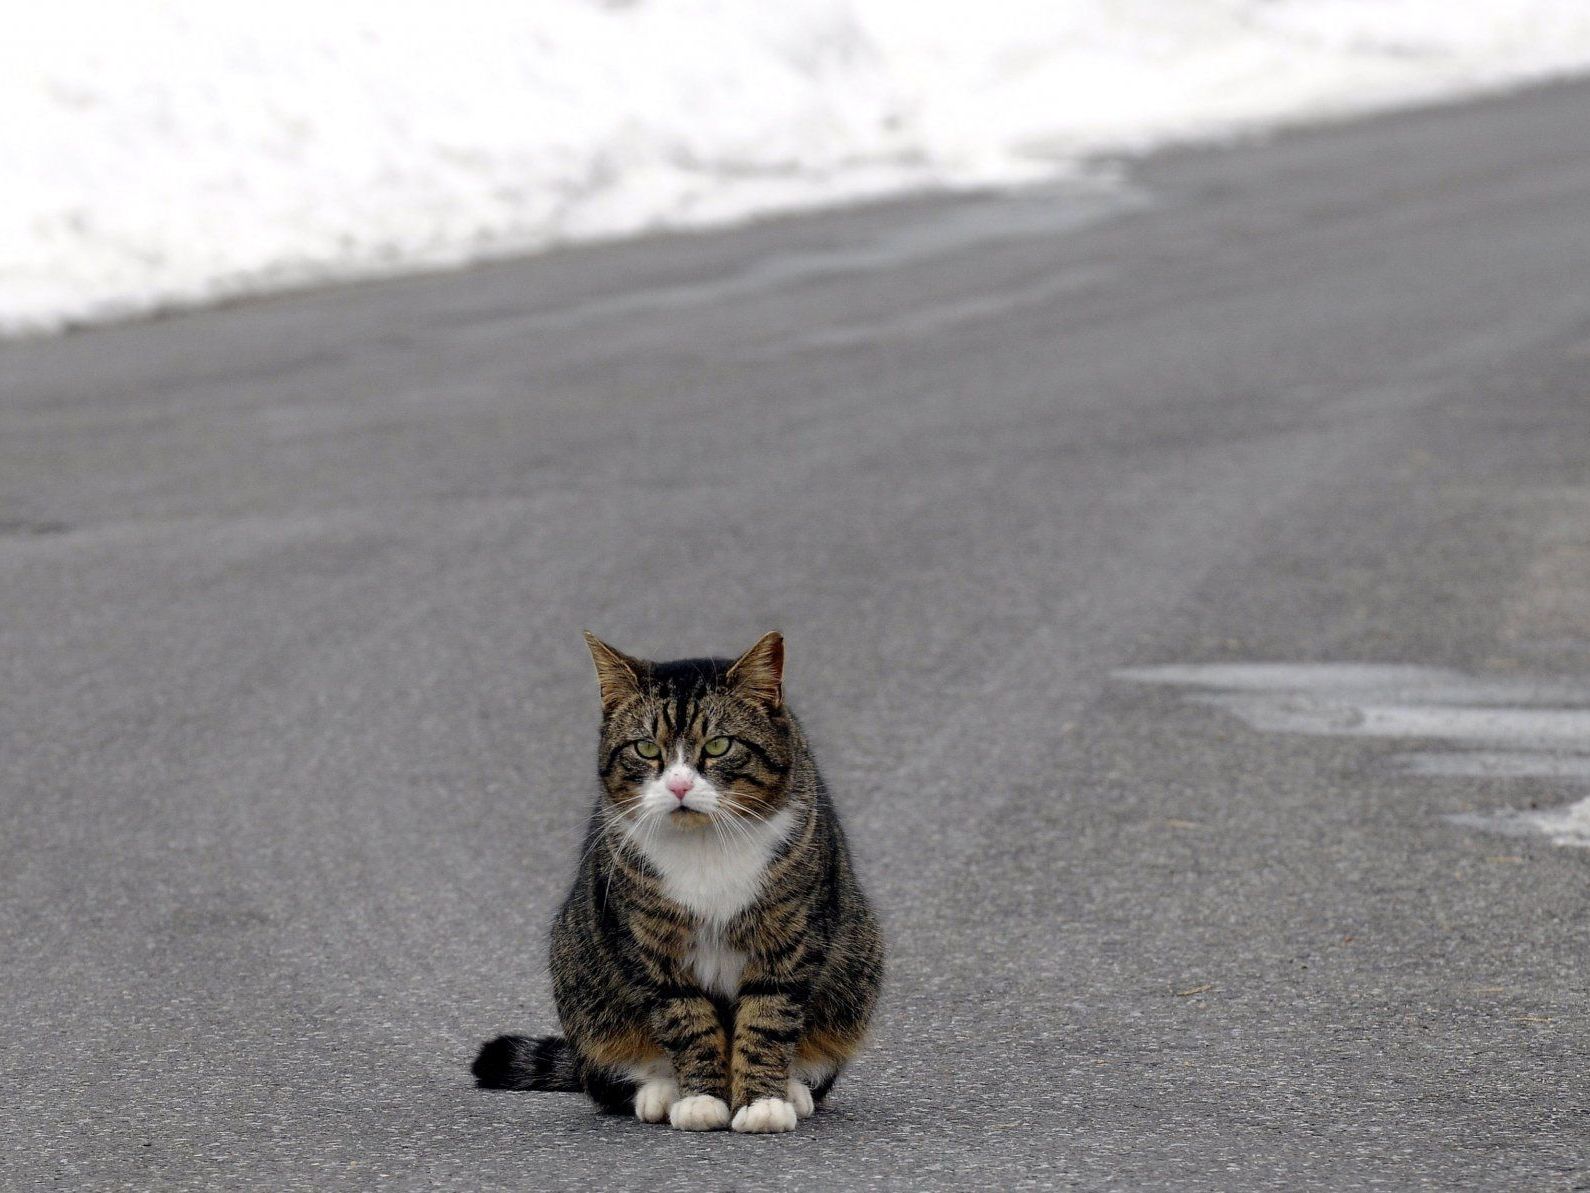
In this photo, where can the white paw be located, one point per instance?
(700, 1112)
(654, 1099)
(765, 1116)
(801, 1098)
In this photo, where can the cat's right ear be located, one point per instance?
(617, 674)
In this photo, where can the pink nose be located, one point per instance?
(680, 785)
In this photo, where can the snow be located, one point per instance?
(161, 154)
(1496, 739)
(1567, 825)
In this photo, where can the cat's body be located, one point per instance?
(716, 962)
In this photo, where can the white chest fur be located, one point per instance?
(711, 876)
(716, 966)
(716, 878)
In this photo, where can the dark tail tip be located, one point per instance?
(494, 1067)
(518, 1062)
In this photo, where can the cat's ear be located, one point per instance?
(617, 674)
(759, 672)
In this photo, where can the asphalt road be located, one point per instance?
(298, 724)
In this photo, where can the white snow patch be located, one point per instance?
(167, 153)
(1366, 717)
(1563, 826)
(1489, 764)
(1433, 703)
(1388, 681)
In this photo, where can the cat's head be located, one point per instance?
(685, 742)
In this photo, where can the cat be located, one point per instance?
(716, 962)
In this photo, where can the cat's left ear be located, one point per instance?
(759, 672)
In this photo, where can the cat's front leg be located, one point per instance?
(686, 1025)
(767, 1025)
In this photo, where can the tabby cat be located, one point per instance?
(716, 963)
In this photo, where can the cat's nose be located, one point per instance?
(680, 784)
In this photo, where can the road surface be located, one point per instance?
(298, 723)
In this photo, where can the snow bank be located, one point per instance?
(166, 153)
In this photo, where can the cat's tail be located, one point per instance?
(519, 1062)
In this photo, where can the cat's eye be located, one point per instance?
(648, 750)
(716, 747)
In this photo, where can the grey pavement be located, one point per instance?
(296, 724)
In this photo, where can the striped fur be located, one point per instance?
(716, 960)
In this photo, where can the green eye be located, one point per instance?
(716, 747)
(648, 749)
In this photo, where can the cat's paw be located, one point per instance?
(654, 1099)
(700, 1112)
(766, 1116)
(801, 1098)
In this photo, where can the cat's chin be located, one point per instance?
(688, 820)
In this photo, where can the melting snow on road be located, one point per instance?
(1498, 728)
(168, 153)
